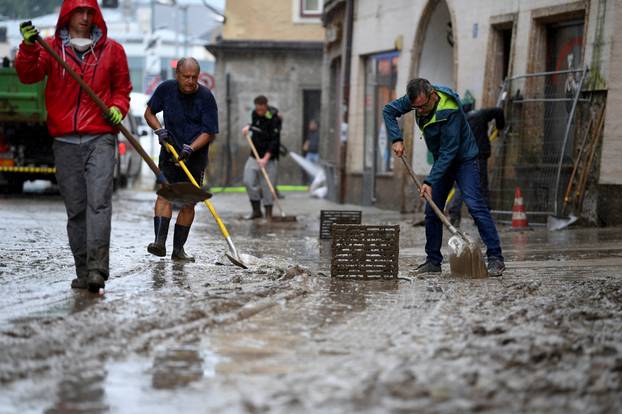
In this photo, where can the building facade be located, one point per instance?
(271, 48)
(529, 57)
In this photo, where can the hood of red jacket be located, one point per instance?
(70, 5)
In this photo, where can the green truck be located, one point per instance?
(26, 145)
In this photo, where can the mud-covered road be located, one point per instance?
(283, 337)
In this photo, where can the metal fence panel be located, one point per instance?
(536, 149)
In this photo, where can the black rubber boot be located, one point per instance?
(179, 239)
(160, 227)
(256, 213)
(95, 281)
(268, 212)
(79, 283)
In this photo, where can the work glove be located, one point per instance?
(163, 136)
(29, 32)
(114, 115)
(185, 153)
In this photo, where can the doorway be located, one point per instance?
(380, 89)
(311, 104)
(436, 43)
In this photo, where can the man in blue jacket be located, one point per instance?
(447, 135)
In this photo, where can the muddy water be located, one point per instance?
(283, 337)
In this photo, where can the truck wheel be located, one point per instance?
(14, 186)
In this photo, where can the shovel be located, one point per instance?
(465, 258)
(184, 193)
(282, 217)
(234, 257)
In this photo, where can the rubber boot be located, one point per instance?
(179, 239)
(79, 283)
(160, 227)
(96, 281)
(256, 214)
(268, 212)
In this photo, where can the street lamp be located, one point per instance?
(153, 7)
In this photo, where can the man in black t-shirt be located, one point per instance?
(265, 130)
(478, 122)
(191, 123)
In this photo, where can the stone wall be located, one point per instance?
(281, 75)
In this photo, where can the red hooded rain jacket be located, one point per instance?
(70, 110)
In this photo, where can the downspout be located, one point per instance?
(345, 94)
(228, 135)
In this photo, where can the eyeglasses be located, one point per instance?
(423, 105)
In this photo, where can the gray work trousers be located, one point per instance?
(84, 172)
(255, 183)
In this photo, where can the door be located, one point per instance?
(380, 83)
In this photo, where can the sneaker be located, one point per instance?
(427, 267)
(95, 281)
(79, 283)
(495, 267)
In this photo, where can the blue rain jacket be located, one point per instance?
(447, 133)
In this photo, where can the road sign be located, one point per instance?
(150, 83)
(207, 80)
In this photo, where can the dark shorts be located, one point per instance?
(175, 174)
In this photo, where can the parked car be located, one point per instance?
(129, 161)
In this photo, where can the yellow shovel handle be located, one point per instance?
(209, 205)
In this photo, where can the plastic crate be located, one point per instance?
(328, 217)
(365, 251)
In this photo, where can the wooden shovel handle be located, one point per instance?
(102, 106)
(432, 204)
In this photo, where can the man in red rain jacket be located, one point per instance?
(84, 137)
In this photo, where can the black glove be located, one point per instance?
(163, 136)
(185, 153)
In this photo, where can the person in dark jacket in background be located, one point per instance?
(450, 140)
(84, 137)
(265, 129)
(478, 121)
(311, 146)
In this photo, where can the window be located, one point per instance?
(380, 83)
(310, 8)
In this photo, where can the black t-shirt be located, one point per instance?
(186, 116)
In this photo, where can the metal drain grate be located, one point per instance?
(328, 217)
(365, 251)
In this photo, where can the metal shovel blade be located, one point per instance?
(185, 193)
(558, 223)
(235, 261)
(465, 259)
(283, 219)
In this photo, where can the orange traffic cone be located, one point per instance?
(519, 217)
